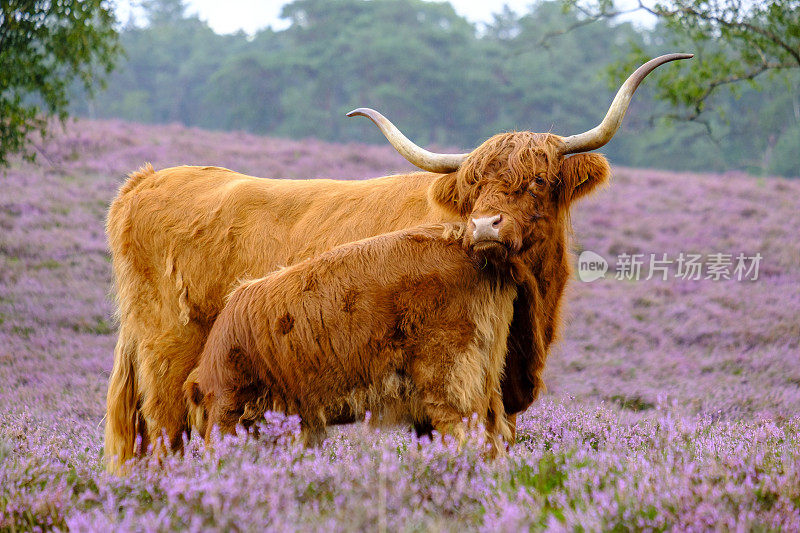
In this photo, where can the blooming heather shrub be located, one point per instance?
(671, 405)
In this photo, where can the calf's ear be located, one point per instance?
(193, 394)
(194, 401)
(583, 173)
(191, 390)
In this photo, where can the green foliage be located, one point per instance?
(741, 47)
(550, 80)
(735, 42)
(633, 403)
(44, 48)
(445, 82)
(548, 477)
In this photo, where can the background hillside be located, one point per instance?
(441, 79)
(671, 404)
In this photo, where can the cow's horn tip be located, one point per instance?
(355, 112)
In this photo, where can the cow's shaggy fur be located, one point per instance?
(408, 325)
(182, 237)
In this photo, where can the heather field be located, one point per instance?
(673, 404)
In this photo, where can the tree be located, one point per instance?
(553, 79)
(164, 12)
(739, 46)
(734, 40)
(167, 70)
(415, 60)
(46, 47)
(444, 82)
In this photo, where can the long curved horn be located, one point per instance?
(417, 156)
(602, 133)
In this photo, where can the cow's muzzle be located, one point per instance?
(486, 228)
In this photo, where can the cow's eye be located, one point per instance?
(538, 181)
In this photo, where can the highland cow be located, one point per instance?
(182, 237)
(410, 325)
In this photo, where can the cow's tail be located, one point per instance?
(126, 431)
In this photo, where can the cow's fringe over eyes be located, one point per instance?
(511, 158)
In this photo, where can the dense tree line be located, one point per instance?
(439, 78)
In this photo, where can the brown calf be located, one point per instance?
(411, 325)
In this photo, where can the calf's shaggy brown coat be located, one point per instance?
(411, 325)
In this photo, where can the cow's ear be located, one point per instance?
(583, 173)
(445, 192)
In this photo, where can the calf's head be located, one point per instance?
(516, 188)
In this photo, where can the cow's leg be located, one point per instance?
(512, 428)
(498, 428)
(453, 388)
(448, 421)
(124, 421)
(165, 361)
(423, 428)
(528, 342)
(312, 430)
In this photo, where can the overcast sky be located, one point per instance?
(251, 15)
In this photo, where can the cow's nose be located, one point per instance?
(487, 228)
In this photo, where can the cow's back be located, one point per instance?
(190, 233)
